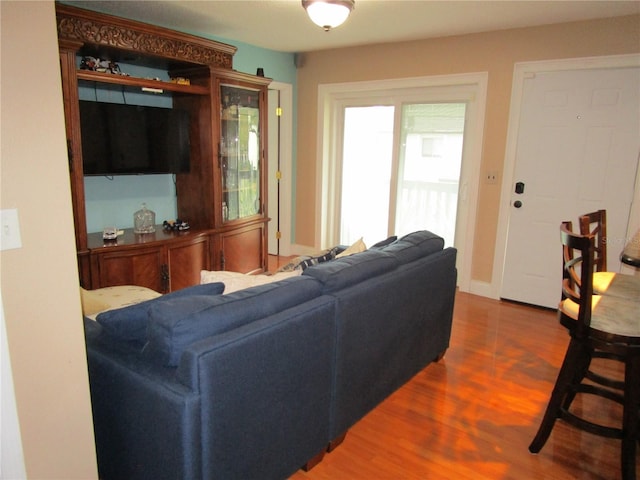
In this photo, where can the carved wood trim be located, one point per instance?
(75, 24)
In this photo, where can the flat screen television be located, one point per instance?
(119, 139)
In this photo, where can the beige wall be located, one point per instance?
(39, 281)
(494, 52)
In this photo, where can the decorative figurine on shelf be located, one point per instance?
(144, 220)
(181, 80)
(100, 65)
(175, 225)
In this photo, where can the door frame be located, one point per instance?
(521, 71)
(330, 96)
(286, 168)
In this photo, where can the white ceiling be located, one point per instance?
(283, 25)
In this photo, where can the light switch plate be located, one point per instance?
(9, 229)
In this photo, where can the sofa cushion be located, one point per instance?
(385, 242)
(130, 323)
(342, 272)
(174, 325)
(415, 245)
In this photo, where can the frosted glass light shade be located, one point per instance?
(328, 14)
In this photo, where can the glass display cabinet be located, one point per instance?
(240, 152)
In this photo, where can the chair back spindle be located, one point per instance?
(579, 251)
(595, 223)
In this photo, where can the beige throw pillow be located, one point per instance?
(108, 298)
(234, 281)
(357, 247)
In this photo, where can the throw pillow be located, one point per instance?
(130, 323)
(234, 281)
(303, 261)
(91, 302)
(357, 247)
(330, 255)
(108, 298)
(294, 264)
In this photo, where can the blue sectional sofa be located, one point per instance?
(257, 383)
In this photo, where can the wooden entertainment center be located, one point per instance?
(222, 197)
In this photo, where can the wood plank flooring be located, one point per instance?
(473, 414)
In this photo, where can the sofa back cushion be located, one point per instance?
(414, 245)
(343, 272)
(130, 323)
(174, 325)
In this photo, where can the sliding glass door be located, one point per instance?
(401, 167)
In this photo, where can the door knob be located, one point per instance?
(517, 204)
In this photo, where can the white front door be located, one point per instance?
(577, 151)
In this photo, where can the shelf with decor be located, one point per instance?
(149, 85)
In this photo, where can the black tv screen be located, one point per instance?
(120, 139)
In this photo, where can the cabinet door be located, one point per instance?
(186, 261)
(243, 250)
(143, 267)
(241, 148)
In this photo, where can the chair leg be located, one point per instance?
(581, 371)
(574, 359)
(630, 421)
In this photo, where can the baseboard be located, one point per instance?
(296, 249)
(483, 289)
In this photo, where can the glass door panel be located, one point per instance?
(240, 152)
(429, 168)
(366, 173)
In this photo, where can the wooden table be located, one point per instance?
(631, 253)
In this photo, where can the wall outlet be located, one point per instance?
(9, 229)
(491, 177)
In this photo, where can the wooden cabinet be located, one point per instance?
(185, 260)
(162, 261)
(233, 200)
(242, 249)
(229, 109)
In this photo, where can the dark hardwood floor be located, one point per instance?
(473, 414)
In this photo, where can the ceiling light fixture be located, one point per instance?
(328, 14)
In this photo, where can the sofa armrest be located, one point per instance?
(138, 410)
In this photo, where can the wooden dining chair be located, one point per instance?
(595, 323)
(605, 282)
(595, 223)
